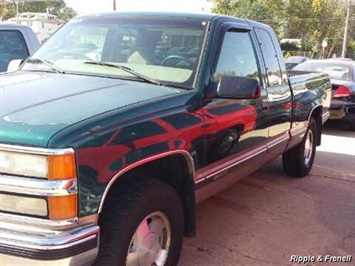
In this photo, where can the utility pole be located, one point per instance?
(343, 53)
(16, 3)
(114, 5)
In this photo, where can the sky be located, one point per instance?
(92, 6)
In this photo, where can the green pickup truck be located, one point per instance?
(120, 123)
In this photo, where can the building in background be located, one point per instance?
(43, 24)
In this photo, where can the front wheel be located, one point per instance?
(298, 161)
(142, 225)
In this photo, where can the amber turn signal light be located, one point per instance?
(63, 207)
(61, 167)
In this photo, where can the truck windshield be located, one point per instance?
(163, 49)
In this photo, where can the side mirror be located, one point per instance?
(238, 88)
(14, 65)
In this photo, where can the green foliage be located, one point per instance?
(289, 46)
(312, 21)
(56, 7)
(66, 13)
(260, 10)
(7, 10)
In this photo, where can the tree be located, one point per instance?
(351, 40)
(67, 13)
(56, 7)
(312, 21)
(259, 10)
(2, 9)
(7, 10)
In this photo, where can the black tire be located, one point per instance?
(127, 209)
(296, 162)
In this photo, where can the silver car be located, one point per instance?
(342, 74)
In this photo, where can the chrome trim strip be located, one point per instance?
(299, 130)
(21, 220)
(184, 153)
(90, 219)
(278, 140)
(85, 258)
(48, 241)
(325, 117)
(30, 186)
(35, 150)
(239, 160)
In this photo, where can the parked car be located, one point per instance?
(103, 161)
(342, 74)
(293, 61)
(16, 42)
(341, 59)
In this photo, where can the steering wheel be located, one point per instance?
(70, 54)
(173, 60)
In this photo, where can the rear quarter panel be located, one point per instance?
(310, 90)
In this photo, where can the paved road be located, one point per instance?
(267, 217)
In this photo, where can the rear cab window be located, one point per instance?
(12, 46)
(272, 65)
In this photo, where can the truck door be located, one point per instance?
(236, 130)
(278, 91)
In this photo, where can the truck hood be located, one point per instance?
(35, 106)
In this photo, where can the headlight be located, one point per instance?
(23, 205)
(54, 197)
(52, 167)
(23, 164)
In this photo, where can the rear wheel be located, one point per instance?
(142, 224)
(298, 161)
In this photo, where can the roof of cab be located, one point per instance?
(201, 16)
(187, 15)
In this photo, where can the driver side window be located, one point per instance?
(237, 57)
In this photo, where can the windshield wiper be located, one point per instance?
(126, 69)
(45, 62)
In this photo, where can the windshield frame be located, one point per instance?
(108, 19)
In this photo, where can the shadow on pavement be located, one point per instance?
(266, 217)
(337, 128)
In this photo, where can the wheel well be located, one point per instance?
(317, 115)
(239, 128)
(175, 171)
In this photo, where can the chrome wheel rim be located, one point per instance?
(308, 147)
(151, 241)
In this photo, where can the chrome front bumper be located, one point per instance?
(29, 241)
(22, 242)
